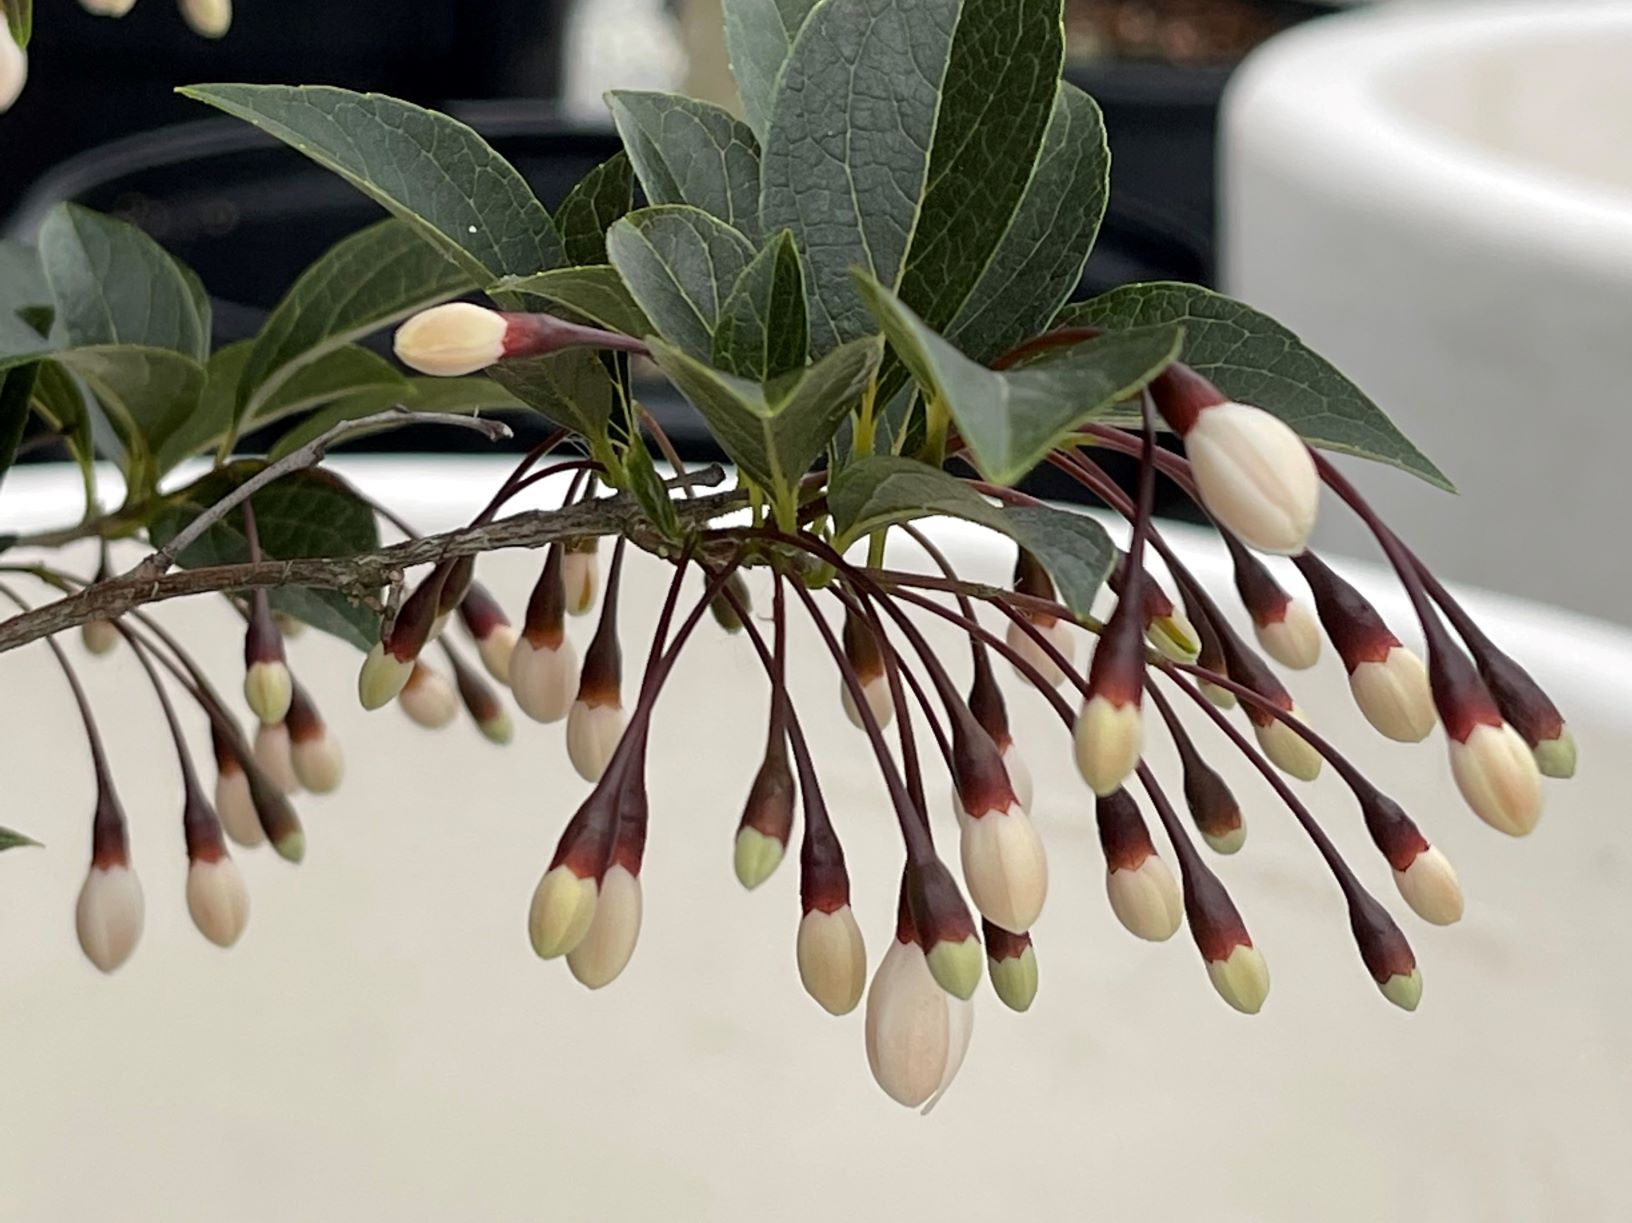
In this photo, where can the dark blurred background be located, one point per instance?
(99, 122)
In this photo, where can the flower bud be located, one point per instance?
(1498, 776)
(865, 656)
(1213, 807)
(605, 949)
(1555, 757)
(109, 915)
(217, 899)
(207, 18)
(1058, 633)
(562, 911)
(1241, 978)
(1387, 956)
(273, 754)
(13, 69)
(1430, 886)
(266, 689)
(1004, 866)
(313, 751)
(935, 910)
(917, 1033)
(1109, 740)
(451, 339)
(544, 678)
(1287, 750)
(832, 959)
(107, 8)
(1393, 694)
(1294, 640)
(1254, 474)
(235, 806)
(593, 732)
(1011, 963)
(1142, 891)
(98, 636)
(581, 574)
(1528, 709)
(767, 816)
(427, 698)
(1234, 966)
(722, 608)
(481, 702)
(1173, 636)
(382, 677)
(876, 692)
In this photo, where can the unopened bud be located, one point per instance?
(235, 807)
(1430, 886)
(428, 699)
(832, 959)
(562, 911)
(1109, 740)
(217, 899)
(98, 636)
(1241, 978)
(917, 1033)
(767, 816)
(208, 18)
(1294, 640)
(865, 656)
(593, 732)
(604, 951)
(451, 339)
(382, 677)
(724, 612)
(1142, 891)
(13, 68)
(313, 751)
(581, 575)
(273, 753)
(1555, 757)
(1394, 696)
(495, 650)
(1011, 963)
(1498, 776)
(876, 691)
(1286, 748)
(1174, 636)
(1060, 635)
(1004, 866)
(1212, 804)
(544, 678)
(108, 917)
(1387, 956)
(266, 688)
(1234, 966)
(107, 8)
(489, 627)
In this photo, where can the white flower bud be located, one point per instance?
(108, 917)
(98, 636)
(108, 8)
(1015, 979)
(273, 754)
(1498, 777)
(1109, 740)
(382, 677)
(268, 688)
(13, 69)
(318, 763)
(438, 623)
(876, 690)
(562, 911)
(1146, 899)
(1004, 866)
(1429, 885)
(1287, 750)
(451, 339)
(1174, 636)
(496, 649)
(1404, 990)
(1242, 980)
(832, 959)
(1229, 842)
(217, 900)
(544, 679)
(1222, 697)
(1394, 695)
(605, 949)
(429, 699)
(917, 1033)
(236, 807)
(593, 732)
(1019, 776)
(207, 18)
(581, 579)
(1059, 633)
(498, 728)
(1255, 476)
(755, 857)
(1294, 640)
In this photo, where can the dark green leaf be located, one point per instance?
(774, 433)
(679, 264)
(307, 513)
(1254, 359)
(597, 292)
(601, 197)
(470, 395)
(213, 416)
(344, 372)
(572, 388)
(369, 280)
(758, 34)
(691, 152)
(20, 21)
(16, 840)
(880, 489)
(16, 392)
(112, 284)
(647, 488)
(432, 171)
(148, 394)
(1011, 419)
(61, 403)
(762, 331)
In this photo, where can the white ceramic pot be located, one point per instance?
(1438, 197)
(383, 1044)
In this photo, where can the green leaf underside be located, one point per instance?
(1011, 419)
(369, 280)
(647, 488)
(307, 513)
(465, 395)
(774, 433)
(690, 152)
(16, 392)
(762, 330)
(881, 489)
(1256, 360)
(572, 388)
(679, 264)
(758, 35)
(431, 171)
(147, 393)
(596, 292)
(114, 285)
(10, 839)
(599, 198)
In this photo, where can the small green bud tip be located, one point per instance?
(291, 847)
(563, 908)
(956, 966)
(1230, 842)
(381, 678)
(268, 690)
(1404, 990)
(499, 729)
(1173, 639)
(1015, 979)
(1556, 757)
(756, 857)
(1242, 979)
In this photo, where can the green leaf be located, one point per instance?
(597, 292)
(1011, 419)
(758, 35)
(679, 264)
(217, 405)
(20, 21)
(469, 395)
(762, 331)
(22, 282)
(572, 388)
(903, 136)
(16, 392)
(307, 513)
(114, 285)
(647, 488)
(881, 489)
(600, 197)
(148, 394)
(1038, 262)
(1254, 359)
(61, 403)
(774, 433)
(16, 840)
(344, 372)
(690, 152)
(433, 172)
(369, 280)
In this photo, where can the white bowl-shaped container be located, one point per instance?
(383, 1044)
(1438, 197)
